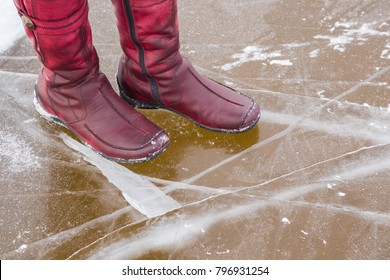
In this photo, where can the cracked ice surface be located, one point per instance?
(310, 181)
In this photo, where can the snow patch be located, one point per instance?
(16, 154)
(330, 186)
(22, 248)
(250, 53)
(386, 52)
(286, 221)
(320, 94)
(11, 28)
(314, 53)
(284, 62)
(351, 35)
(295, 45)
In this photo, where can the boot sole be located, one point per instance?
(56, 120)
(151, 105)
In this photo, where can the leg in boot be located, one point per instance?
(73, 92)
(153, 74)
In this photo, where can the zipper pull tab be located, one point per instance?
(27, 22)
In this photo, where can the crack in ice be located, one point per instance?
(287, 130)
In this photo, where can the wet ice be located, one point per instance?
(309, 182)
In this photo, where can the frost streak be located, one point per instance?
(142, 194)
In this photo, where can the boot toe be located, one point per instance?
(155, 147)
(129, 146)
(251, 118)
(130, 154)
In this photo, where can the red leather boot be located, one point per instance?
(72, 91)
(153, 74)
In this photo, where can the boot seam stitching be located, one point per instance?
(57, 21)
(119, 147)
(247, 114)
(120, 114)
(51, 98)
(147, 6)
(212, 91)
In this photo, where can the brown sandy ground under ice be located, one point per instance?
(310, 181)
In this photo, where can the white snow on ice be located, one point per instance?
(386, 52)
(250, 53)
(16, 153)
(314, 53)
(350, 35)
(11, 28)
(286, 221)
(282, 62)
(341, 194)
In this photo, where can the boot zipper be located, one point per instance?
(152, 81)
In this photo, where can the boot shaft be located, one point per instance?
(153, 74)
(61, 37)
(49, 10)
(149, 33)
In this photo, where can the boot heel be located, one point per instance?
(136, 103)
(45, 114)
